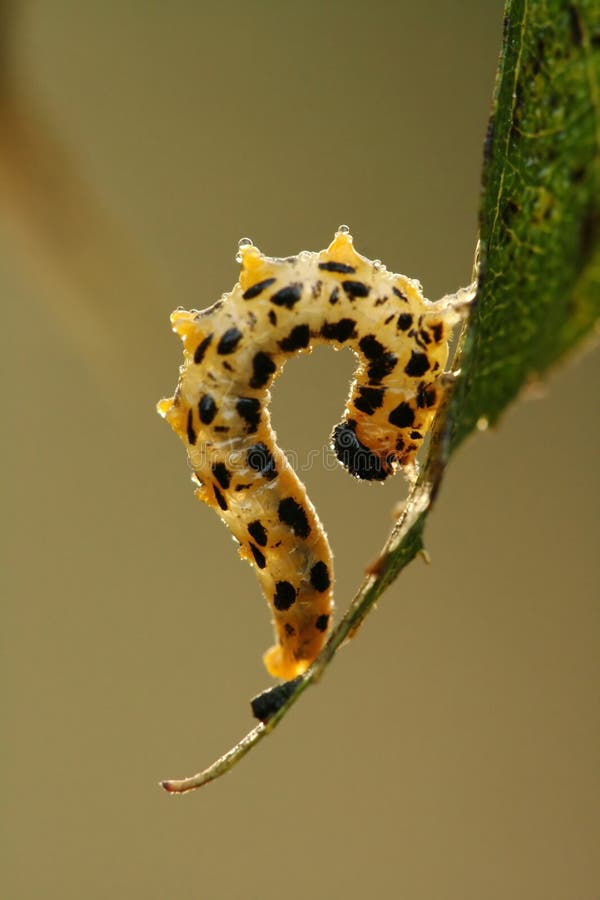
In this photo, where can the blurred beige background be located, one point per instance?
(452, 751)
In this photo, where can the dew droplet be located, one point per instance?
(343, 229)
(243, 243)
(482, 423)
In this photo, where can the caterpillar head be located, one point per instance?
(364, 456)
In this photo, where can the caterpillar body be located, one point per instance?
(234, 350)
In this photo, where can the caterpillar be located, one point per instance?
(234, 350)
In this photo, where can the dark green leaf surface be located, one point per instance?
(539, 285)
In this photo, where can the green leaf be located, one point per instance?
(539, 282)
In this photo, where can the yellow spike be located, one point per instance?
(175, 415)
(342, 250)
(202, 494)
(254, 266)
(180, 321)
(185, 324)
(248, 254)
(164, 406)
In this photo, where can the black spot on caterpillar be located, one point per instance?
(279, 308)
(249, 409)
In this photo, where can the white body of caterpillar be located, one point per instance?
(235, 349)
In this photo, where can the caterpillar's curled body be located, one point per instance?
(233, 352)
